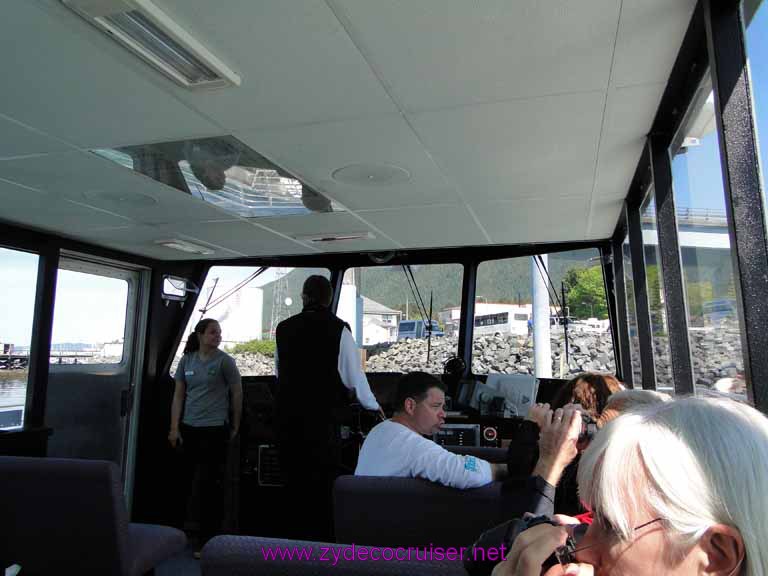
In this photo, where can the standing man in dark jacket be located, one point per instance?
(317, 364)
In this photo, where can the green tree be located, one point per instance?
(586, 293)
(265, 347)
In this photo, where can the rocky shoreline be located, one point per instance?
(716, 354)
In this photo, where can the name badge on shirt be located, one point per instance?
(189, 373)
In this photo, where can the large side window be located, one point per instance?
(89, 317)
(713, 322)
(757, 50)
(654, 279)
(388, 309)
(17, 309)
(249, 305)
(503, 340)
(634, 338)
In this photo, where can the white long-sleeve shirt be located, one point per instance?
(391, 449)
(352, 375)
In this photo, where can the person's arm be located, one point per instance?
(177, 405)
(499, 471)
(235, 395)
(435, 463)
(352, 374)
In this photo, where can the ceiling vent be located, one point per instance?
(323, 238)
(153, 35)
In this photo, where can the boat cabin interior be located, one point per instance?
(535, 188)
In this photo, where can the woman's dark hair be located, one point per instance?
(193, 341)
(589, 389)
(415, 385)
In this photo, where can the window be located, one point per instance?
(713, 324)
(17, 310)
(498, 320)
(655, 285)
(224, 172)
(757, 50)
(89, 316)
(502, 341)
(249, 306)
(369, 294)
(634, 338)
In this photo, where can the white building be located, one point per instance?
(380, 324)
(240, 315)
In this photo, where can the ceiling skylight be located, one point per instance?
(224, 172)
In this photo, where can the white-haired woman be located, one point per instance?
(678, 488)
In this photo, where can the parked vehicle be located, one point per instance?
(417, 329)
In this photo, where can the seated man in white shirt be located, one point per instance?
(397, 447)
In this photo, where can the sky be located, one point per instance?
(91, 309)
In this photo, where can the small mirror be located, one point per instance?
(175, 288)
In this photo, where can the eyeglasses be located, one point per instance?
(566, 554)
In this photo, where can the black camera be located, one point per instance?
(565, 554)
(588, 431)
(506, 533)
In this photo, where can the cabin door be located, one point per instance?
(96, 348)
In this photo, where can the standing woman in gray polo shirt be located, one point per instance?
(209, 394)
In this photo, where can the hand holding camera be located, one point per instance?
(558, 442)
(541, 546)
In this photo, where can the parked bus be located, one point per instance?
(502, 323)
(417, 329)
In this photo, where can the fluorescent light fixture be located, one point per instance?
(185, 246)
(149, 32)
(331, 237)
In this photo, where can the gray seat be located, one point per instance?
(387, 511)
(67, 516)
(246, 556)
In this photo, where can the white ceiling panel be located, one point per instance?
(88, 179)
(46, 212)
(71, 81)
(297, 63)
(544, 147)
(325, 223)
(239, 236)
(143, 240)
(628, 118)
(428, 226)
(534, 220)
(314, 152)
(650, 35)
(19, 140)
(438, 53)
(609, 210)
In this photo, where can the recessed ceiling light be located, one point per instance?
(371, 175)
(149, 32)
(185, 246)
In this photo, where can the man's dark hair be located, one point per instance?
(415, 385)
(317, 291)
